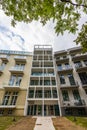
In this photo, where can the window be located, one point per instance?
(10, 112)
(14, 98)
(31, 93)
(46, 82)
(47, 93)
(53, 82)
(67, 66)
(71, 79)
(58, 58)
(18, 80)
(62, 79)
(60, 67)
(1, 112)
(86, 91)
(41, 82)
(64, 57)
(20, 65)
(76, 95)
(78, 64)
(10, 95)
(54, 93)
(3, 64)
(15, 80)
(83, 77)
(65, 95)
(6, 98)
(38, 94)
(85, 61)
(34, 82)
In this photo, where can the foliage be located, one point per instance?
(64, 13)
(82, 38)
(5, 122)
(82, 121)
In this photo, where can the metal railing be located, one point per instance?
(16, 68)
(80, 102)
(20, 57)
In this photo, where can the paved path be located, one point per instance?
(44, 123)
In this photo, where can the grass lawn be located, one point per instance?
(5, 122)
(82, 121)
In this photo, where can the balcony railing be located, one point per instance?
(70, 86)
(42, 74)
(84, 84)
(74, 103)
(4, 56)
(65, 69)
(11, 86)
(20, 58)
(17, 69)
(79, 56)
(62, 60)
(80, 67)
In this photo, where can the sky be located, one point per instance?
(23, 36)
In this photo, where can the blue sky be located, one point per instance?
(24, 36)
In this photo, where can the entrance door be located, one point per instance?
(56, 108)
(45, 110)
(39, 110)
(30, 110)
(50, 110)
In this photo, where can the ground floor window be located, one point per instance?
(10, 112)
(1, 112)
(48, 110)
(75, 111)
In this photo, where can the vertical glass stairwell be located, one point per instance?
(43, 93)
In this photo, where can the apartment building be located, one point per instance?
(43, 83)
(15, 68)
(71, 68)
(42, 98)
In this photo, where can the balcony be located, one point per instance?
(79, 56)
(65, 70)
(1, 69)
(74, 103)
(80, 68)
(84, 85)
(20, 58)
(4, 57)
(11, 86)
(62, 60)
(71, 86)
(42, 74)
(17, 69)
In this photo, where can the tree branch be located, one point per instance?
(68, 1)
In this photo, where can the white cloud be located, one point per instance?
(32, 33)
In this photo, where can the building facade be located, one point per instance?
(71, 67)
(43, 83)
(15, 68)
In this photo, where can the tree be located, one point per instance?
(64, 13)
